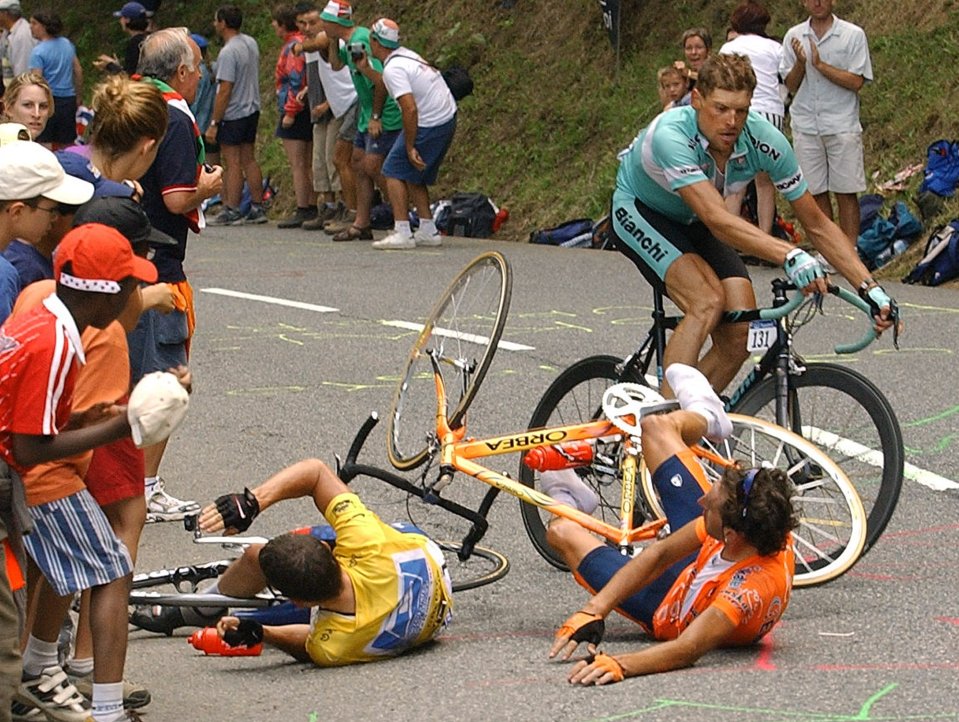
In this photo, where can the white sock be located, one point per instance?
(150, 485)
(108, 702)
(403, 228)
(566, 487)
(695, 394)
(80, 667)
(427, 227)
(38, 656)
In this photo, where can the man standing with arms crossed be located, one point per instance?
(429, 122)
(173, 189)
(825, 64)
(236, 114)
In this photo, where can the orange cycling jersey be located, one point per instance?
(752, 593)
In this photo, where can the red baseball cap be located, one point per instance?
(99, 257)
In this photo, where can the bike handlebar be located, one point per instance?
(776, 313)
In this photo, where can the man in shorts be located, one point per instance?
(825, 65)
(174, 188)
(668, 216)
(236, 114)
(377, 594)
(429, 122)
(722, 578)
(378, 122)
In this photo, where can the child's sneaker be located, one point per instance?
(163, 507)
(52, 692)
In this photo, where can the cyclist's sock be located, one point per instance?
(203, 616)
(39, 655)
(695, 394)
(566, 487)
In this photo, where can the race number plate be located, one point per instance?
(762, 335)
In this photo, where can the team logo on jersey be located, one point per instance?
(789, 183)
(8, 344)
(676, 480)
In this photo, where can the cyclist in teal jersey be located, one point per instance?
(669, 218)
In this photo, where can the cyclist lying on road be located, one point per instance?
(668, 216)
(378, 593)
(722, 578)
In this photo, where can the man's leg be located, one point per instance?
(252, 172)
(232, 175)
(108, 610)
(848, 206)
(342, 158)
(825, 204)
(728, 351)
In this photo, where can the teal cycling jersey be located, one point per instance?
(671, 153)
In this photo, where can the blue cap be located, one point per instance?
(199, 40)
(132, 11)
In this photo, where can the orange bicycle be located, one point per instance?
(427, 433)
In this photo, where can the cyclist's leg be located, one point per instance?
(244, 577)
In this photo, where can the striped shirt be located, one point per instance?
(40, 353)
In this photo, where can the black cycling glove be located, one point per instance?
(248, 633)
(238, 510)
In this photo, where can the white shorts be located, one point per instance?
(831, 162)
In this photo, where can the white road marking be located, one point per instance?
(270, 299)
(863, 453)
(506, 345)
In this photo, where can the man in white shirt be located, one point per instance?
(825, 64)
(429, 122)
(16, 40)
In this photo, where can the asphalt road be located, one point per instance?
(276, 383)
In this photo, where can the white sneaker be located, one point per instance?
(395, 241)
(163, 507)
(52, 692)
(422, 238)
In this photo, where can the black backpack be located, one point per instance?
(940, 263)
(468, 214)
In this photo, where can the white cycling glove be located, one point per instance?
(157, 405)
(801, 268)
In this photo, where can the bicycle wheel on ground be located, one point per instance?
(844, 414)
(181, 587)
(463, 330)
(832, 523)
(483, 566)
(575, 397)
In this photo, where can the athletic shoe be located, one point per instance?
(326, 213)
(227, 217)
(52, 692)
(427, 239)
(256, 216)
(23, 712)
(298, 217)
(395, 241)
(135, 695)
(158, 619)
(163, 507)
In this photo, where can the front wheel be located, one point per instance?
(575, 397)
(462, 331)
(844, 414)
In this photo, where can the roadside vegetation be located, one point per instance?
(552, 107)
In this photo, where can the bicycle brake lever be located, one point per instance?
(894, 315)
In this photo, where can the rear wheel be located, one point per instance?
(463, 331)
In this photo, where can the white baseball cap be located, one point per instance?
(28, 170)
(156, 407)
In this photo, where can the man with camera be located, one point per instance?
(429, 122)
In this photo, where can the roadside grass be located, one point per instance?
(551, 110)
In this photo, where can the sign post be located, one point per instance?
(611, 21)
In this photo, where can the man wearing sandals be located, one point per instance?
(722, 578)
(378, 593)
(668, 216)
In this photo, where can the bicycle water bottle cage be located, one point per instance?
(626, 404)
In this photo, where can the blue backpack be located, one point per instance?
(941, 260)
(572, 234)
(942, 168)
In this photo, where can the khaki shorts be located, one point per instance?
(831, 162)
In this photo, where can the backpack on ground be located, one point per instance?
(468, 214)
(940, 263)
(459, 82)
(942, 168)
(577, 233)
(882, 238)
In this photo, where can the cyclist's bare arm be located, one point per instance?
(290, 638)
(708, 631)
(310, 477)
(709, 207)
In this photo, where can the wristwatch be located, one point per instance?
(376, 116)
(214, 122)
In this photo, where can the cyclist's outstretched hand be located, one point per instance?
(805, 272)
(581, 627)
(883, 308)
(597, 669)
(230, 513)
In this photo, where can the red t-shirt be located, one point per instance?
(752, 593)
(40, 353)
